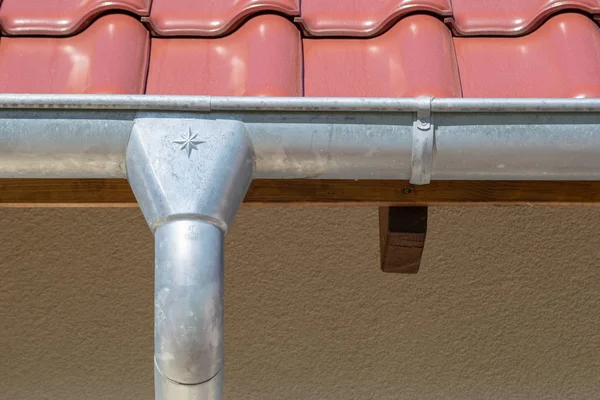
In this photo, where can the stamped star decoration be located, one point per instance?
(188, 141)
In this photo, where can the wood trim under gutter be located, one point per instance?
(303, 192)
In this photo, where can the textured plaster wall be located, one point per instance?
(506, 306)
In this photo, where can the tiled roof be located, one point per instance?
(362, 48)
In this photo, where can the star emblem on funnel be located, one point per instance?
(188, 142)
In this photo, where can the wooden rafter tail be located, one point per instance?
(402, 233)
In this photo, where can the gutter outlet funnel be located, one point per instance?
(189, 177)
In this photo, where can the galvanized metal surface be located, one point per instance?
(206, 103)
(326, 138)
(165, 389)
(46, 144)
(422, 144)
(331, 145)
(189, 167)
(188, 301)
(513, 105)
(178, 103)
(509, 146)
(189, 177)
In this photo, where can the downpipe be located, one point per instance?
(188, 310)
(189, 177)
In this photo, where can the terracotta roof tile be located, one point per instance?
(385, 66)
(210, 18)
(60, 17)
(510, 17)
(110, 56)
(560, 59)
(262, 58)
(381, 48)
(361, 17)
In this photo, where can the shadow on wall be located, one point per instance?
(505, 306)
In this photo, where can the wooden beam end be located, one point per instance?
(402, 232)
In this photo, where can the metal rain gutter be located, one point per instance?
(85, 136)
(191, 159)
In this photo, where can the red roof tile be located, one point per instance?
(251, 47)
(262, 58)
(361, 17)
(210, 18)
(510, 17)
(59, 17)
(386, 66)
(560, 59)
(108, 57)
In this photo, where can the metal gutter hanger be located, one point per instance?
(422, 144)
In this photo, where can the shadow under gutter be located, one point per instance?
(191, 159)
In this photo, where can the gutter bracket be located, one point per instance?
(189, 177)
(422, 143)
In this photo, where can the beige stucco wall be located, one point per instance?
(506, 306)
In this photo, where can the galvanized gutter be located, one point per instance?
(343, 104)
(85, 136)
(190, 161)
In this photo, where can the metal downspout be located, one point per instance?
(188, 310)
